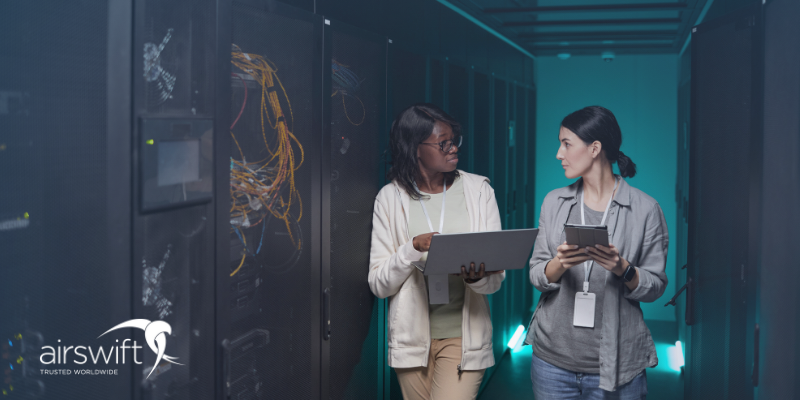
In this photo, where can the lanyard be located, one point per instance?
(425, 210)
(587, 266)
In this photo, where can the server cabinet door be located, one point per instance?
(174, 100)
(274, 302)
(353, 354)
(778, 315)
(64, 196)
(722, 125)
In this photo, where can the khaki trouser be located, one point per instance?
(441, 379)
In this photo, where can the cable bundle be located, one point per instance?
(266, 187)
(346, 83)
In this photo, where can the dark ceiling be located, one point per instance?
(550, 27)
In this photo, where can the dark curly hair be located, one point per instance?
(598, 123)
(411, 127)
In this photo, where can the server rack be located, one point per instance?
(353, 350)
(270, 299)
(111, 135)
(725, 91)
(63, 191)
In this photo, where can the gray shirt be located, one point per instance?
(557, 340)
(638, 229)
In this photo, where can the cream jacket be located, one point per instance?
(392, 275)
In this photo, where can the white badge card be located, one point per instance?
(438, 289)
(584, 310)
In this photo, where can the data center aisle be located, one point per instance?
(512, 379)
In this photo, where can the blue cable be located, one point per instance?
(263, 229)
(260, 243)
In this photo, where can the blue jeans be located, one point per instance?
(554, 383)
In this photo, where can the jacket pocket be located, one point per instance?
(479, 323)
(409, 325)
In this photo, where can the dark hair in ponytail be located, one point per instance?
(598, 123)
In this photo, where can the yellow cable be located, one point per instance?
(277, 170)
(240, 265)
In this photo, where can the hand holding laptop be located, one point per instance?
(472, 275)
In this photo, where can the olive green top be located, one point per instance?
(445, 318)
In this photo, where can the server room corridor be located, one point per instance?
(188, 188)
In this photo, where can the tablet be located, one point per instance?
(586, 235)
(498, 250)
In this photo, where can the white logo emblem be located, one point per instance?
(155, 336)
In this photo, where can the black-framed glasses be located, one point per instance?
(447, 145)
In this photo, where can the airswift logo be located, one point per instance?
(155, 333)
(155, 336)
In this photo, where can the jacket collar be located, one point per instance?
(623, 196)
(472, 186)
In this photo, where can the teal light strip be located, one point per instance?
(516, 338)
(486, 28)
(699, 20)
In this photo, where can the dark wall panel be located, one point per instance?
(482, 125)
(437, 82)
(407, 86)
(531, 219)
(500, 150)
(458, 107)
(407, 77)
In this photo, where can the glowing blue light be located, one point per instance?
(516, 338)
(9, 343)
(12, 367)
(675, 356)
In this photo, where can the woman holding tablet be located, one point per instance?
(438, 351)
(588, 333)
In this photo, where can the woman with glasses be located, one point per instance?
(438, 351)
(588, 333)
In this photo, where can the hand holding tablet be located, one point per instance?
(586, 235)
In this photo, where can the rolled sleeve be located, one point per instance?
(489, 284)
(653, 259)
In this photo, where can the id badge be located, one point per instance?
(584, 310)
(438, 289)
